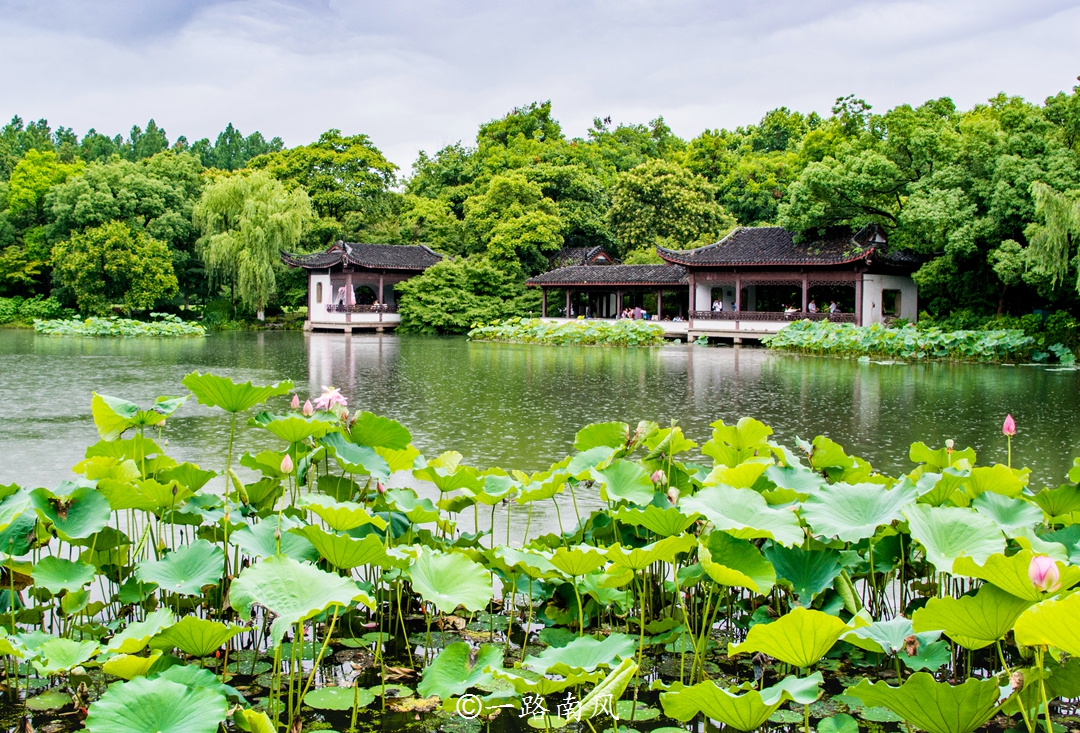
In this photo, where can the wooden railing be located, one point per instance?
(771, 316)
(356, 308)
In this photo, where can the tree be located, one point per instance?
(663, 200)
(513, 222)
(246, 221)
(1054, 239)
(232, 151)
(114, 263)
(452, 295)
(31, 180)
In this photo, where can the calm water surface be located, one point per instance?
(519, 406)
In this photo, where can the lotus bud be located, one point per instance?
(308, 410)
(1016, 681)
(658, 477)
(295, 404)
(949, 444)
(379, 487)
(911, 645)
(286, 464)
(277, 534)
(673, 496)
(1044, 573)
(1009, 428)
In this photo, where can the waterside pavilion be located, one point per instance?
(351, 286)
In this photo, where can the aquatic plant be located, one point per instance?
(580, 332)
(741, 580)
(163, 325)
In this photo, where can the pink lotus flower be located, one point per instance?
(1044, 573)
(658, 477)
(295, 404)
(379, 487)
(308, 410)
(330, 396)
(286, 464)
(1009, 428)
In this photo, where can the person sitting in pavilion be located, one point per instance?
(811, 306)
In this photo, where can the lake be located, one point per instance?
(519, 406)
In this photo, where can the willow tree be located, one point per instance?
(1057, 236)
(246, 220)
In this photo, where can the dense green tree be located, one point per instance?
(30, 183)
(246, 221)
(231, 150)
(513, 222)
(114, 263)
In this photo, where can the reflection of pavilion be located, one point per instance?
(351, 286)
(754, 281)
(343, 360)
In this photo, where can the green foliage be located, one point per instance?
(164, 325)
(28, 310)
(623, 332)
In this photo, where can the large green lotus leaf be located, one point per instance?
(1059, 502)
(888, 637)
(57, 575)
(271, 536)
(1051, 623)
(196, 636)
(113, 416)
(291, 590)
(453, 672)
(799, 479)
(151, 496)
(537, 684)
(937, 488)
(379, 432)
(734, 562)
(583, 654)
(187, 570)
(742, 476)
(339, 698)
(130, 666)
(975, 621)
(12, 506)
(356, 458)
(137, 635)
(639, 558)
(947, 533)
(611, 688)
(936, 707)
(343, 551)
(294, 428)
(806, 572)
(1009, 514)
(624, 480)
(254, 721)
(747, 711)
(399, 460)
(578, 560)
(853, 512)
(419, 511)
(941, 458)
(581, 464)
(1011, 573)
(190, 675)
(533, 564)
(78, 514)
(187, 475)
(667, 443)
(156, 706)
(609, 434)
(448, 581)
(60, 655)
(799, 638)
(999, 479)
(664, 522)
(747, 433)
(214, 391)
(340, 516)
(745, 514)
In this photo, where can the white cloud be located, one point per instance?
(423, 74)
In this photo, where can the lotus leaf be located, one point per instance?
(975, 621)
(340, 516)
(735, 562)
(57, 575)
(797, 478)
(214, 391)
(936, 707)
(888, 637)
(291, 590)
(13, 505)
(941, 458)
(196, 636)
(623, 480)
(668, 442)
(799, 638)
(130, 666)
(48, 700)
(419, 511)
(448, 475)
(1011, 573)
(254, 721)
(583, 654)
(947, 533)
(156, 706)
(806, 572)
(271, 537)
(1051, 623)
(533, 564)
(608, 434)
(137, 634)
(743, 476)
(448, 581)
(113, 416)
(191, 675)
(840, 723)
(1059, 502)
(399, 460)
(664, 522)
(744, 514)
(339, 698)
(75, 515)
(1012, 515)
(639, 558)
(356, 458)
(998, 479)
(853, 512)
(581, 463)
(60, 655)
(538, 684)
(187, 570)
(747, 711)
(379, 432)
(453, 673)
(187, 475)
(611, 688)
(343, 551)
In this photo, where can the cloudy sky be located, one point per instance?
(419, 74)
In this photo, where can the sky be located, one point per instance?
(420, 74)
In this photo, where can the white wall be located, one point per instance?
(704, 297)
(872, 288)
(317, 311)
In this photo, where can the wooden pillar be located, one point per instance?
(348, 296)
(805, 292)
(858, 300)
(382, 303)
(738, 292)
(660, 304)
(543, 303)
(566, 313)
(618, 304)
(693, 302)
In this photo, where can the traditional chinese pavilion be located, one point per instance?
(351, 286)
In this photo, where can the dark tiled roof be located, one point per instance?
(568, 256)
(379, 256)
(748, 246)
(643, 275)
